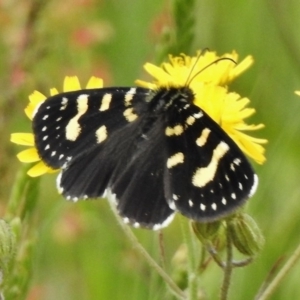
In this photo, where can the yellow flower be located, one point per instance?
(183, 68)
(27, 139)
(208, 76)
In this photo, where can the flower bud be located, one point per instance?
(245, 234)
(206, 231)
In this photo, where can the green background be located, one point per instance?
(81, 253)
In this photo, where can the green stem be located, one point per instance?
(21, 214)
(184, 19)
(214, 254)
(192, 265)
(180, 37)
(162, 249)
(228, 268)
(201, 265)
(168, 280)
(280, 276)
(18, 188)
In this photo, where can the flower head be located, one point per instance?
(208, 75)
(27, 139)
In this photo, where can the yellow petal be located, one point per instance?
(71, 83)
(29, 110)
(26, 139)
(94, 83)
(36, 98)
(28, 155)
(53, 91)
(245, 127)
(233, 101)
(145, 84)
(53, 170)
(241, 67)
(38, 170)
(255, 151)
(234, 116)
(158, 73)
(250, 146)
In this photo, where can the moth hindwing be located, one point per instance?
(151, 152)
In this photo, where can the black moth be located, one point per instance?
(151, 152)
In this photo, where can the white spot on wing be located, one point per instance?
(101, 134)
(106, 99)
(58, 182)
(202, 207)
(206, 174)
(214, 206)
(129, 115)
(129, 96)
(64, 103)
(73, 128)
(175, 197)
(172, 205)
(104, 194)
(111, 197)
(136, 225)
(165, 223)
(254, 186)
(198, 115)
(202, 139)
(237, 161)
(191, 204)
(233, 196)
(175, 159)
(190, 120)
(176, 130)
(224, 201)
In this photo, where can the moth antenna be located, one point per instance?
(193, 67)
(191, 78)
